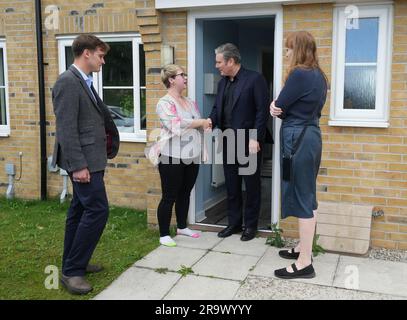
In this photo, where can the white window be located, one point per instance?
(361, 68)
(121, 83)
(4, 106)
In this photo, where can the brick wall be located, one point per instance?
(362, 165)
(126, 174)
(17, 25)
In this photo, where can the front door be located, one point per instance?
(255, 37)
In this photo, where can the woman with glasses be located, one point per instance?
(180, 150)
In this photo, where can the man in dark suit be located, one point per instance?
(242, 103)
(85, 137)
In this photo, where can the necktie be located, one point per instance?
(89, 83)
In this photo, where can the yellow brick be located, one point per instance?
(375, 148)
(374, 166)
(386, 227)
(373, 200)
(387, 157)
(397, 202)
(398, 149)
(398, 184)
(340, 189)
(342, 155)
(389, 140)
(341, 138)
(398, 237)
(387, 175)
(374, 183)
(384, 244)
(330, 163)
(351, 164)
(340, 172)
(387, 192)
(402, 245)
(364, 156)
(377, 234)
(363, 191)
(398, 167)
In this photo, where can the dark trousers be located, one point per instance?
(177, 181)
(233, 183)
(85, 222)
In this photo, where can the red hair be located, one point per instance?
(304, 54)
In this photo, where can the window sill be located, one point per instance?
(4, 134)
(125, 137)
(355, 123)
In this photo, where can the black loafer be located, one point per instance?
(228, 231)
(306, 273)
(248, 234)
(289, 254)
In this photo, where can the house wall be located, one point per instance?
(360, 165)
(17, 25)
(126, 174)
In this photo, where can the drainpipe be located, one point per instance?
(41, 96)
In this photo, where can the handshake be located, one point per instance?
(206, 124)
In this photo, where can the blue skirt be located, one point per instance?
(299, 196)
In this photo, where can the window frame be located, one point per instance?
(379, 117)
(138, 135)
(5, 128)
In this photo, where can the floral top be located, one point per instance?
(176, 138)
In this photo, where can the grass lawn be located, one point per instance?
(31, 238)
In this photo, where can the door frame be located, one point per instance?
(270, 10)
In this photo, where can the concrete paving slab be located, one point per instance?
(224, 265)
(219, 275)
(139, 284)
(206, 241)
(264, 288)
(372, 275)
(171, 258)
(255, 247)
(324, 265)
(193, 287)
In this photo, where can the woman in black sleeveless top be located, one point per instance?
(299, 105)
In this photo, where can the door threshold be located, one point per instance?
(216, 228)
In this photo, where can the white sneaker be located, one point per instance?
(167, 241)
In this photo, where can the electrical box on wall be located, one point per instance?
(167, 55)
(211, 83)
(10, 169)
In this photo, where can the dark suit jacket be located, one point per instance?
(250, 103)
(83, 126)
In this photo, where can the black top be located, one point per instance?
(227, 106)
(304, 91)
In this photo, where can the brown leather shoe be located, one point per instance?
(76, 285)
(93, 268)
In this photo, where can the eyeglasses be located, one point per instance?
(184, 75)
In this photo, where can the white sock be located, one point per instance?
(167, 241)
(188, 232)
